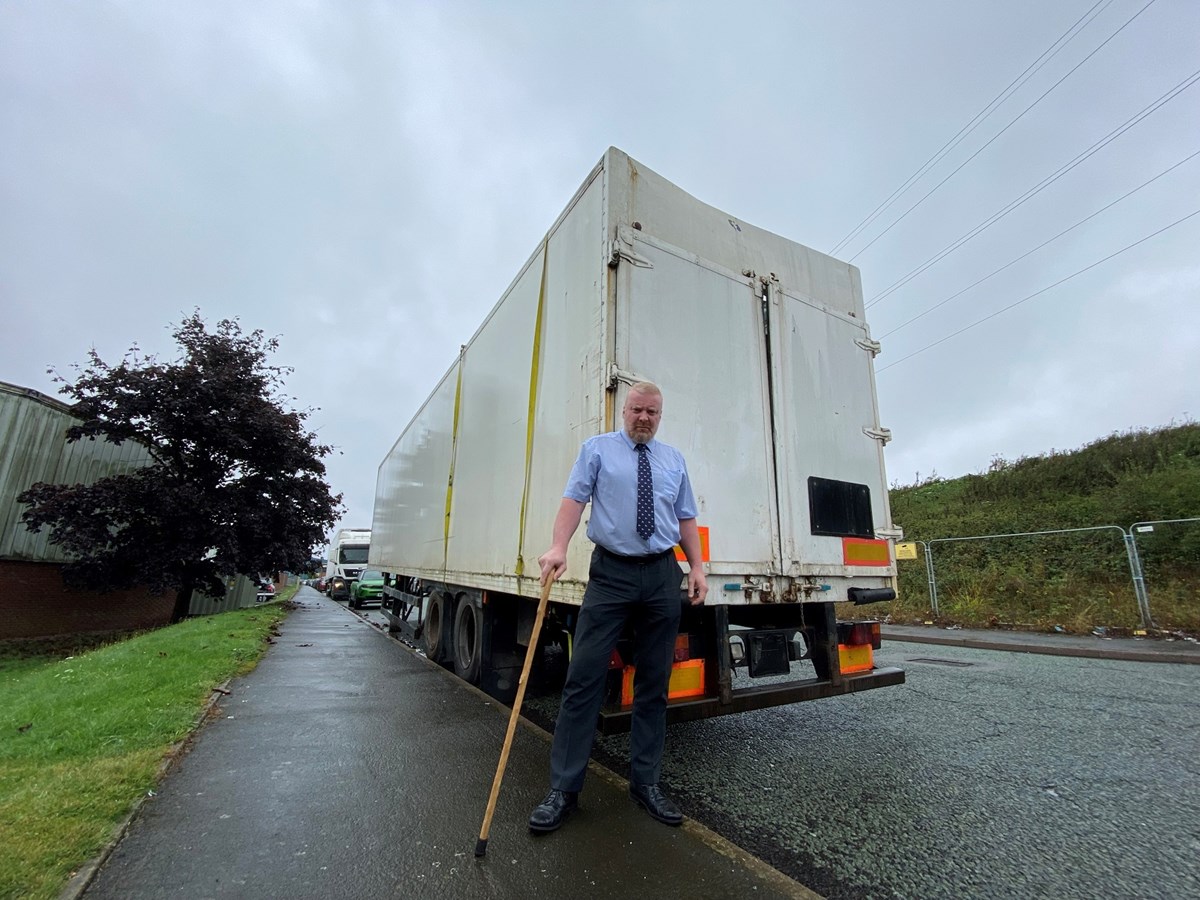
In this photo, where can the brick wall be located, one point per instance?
(34, 602)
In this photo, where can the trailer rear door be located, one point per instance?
(696, 330)
(829, 457)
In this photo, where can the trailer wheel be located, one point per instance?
(468, 634)
(437, 627)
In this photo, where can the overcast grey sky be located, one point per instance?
(364, 180)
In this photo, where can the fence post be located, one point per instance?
(1139, 579)
(933, 597)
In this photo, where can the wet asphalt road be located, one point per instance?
(988, 774)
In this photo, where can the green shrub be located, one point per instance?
(1076, 580)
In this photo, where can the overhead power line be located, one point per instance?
(1040, 186)
(991, 140)
(1038, 293)
(1049, 53)
(1040, 246)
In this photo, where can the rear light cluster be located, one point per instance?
(763, 651)
(687, 674)
(856, 643)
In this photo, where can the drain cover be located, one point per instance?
(942, 662)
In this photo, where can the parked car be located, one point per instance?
(319, 584)
(368, 588)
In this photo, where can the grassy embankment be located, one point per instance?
(1079, 580)
(82, 738)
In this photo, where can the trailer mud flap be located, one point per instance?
(760, 697)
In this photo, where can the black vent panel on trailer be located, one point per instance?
(840, 508)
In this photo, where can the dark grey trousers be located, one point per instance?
(619, 590)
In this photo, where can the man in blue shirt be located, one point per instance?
(642, 506)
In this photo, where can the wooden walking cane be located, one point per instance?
(481, 845)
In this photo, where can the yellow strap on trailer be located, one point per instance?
(462, 356)
(535, 368)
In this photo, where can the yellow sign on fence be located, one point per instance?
(906, 551)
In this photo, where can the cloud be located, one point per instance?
(366, 179)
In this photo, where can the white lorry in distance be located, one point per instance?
(766, 364)
(347, 558)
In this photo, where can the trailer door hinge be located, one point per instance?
(622, 249)
(871, 346)
(881, 434)
(616, 375)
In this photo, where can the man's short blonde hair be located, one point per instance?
(645, 387)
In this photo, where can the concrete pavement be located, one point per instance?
(347, 765)
(1133, 649)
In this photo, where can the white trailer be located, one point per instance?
(766, 365)
(347, 557)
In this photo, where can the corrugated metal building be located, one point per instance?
(239, 591)
(33, 449)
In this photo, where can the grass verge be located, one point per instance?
(82, 738)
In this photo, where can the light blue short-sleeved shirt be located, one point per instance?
(606, 475)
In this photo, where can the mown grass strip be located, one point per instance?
(83, 738)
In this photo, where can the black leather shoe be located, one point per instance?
(651, 798)
(553, 811)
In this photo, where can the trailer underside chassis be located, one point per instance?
(482, 637)
(759, 697)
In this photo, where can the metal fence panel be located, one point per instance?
(1051, 556)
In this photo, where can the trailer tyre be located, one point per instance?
(437, 627)
(468, 634)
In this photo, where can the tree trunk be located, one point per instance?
(183, 603)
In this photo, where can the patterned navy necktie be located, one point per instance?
(645, 495)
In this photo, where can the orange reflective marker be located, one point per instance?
(863, 552)
(682, 557)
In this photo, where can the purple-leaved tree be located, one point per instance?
(237, 483)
